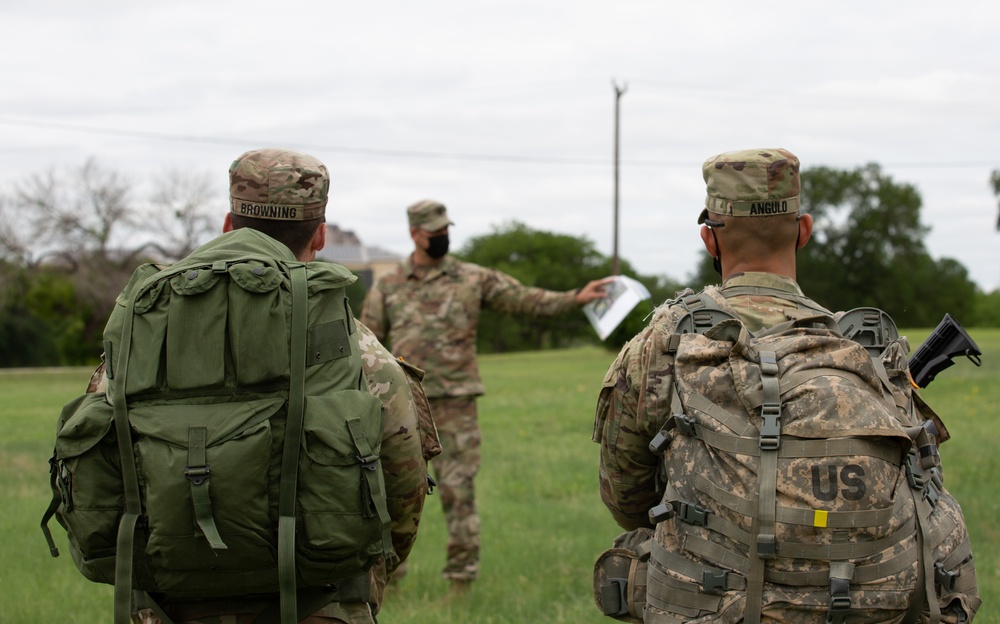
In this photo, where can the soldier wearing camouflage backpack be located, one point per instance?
(247, 452)
(767, 463)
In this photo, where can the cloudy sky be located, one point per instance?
(504, 110)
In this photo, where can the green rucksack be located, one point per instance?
(236, 450)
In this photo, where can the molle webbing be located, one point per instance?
(799, 516)
(790, 448)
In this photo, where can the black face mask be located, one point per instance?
(437, 246)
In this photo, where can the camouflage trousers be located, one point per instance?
(243, 613)
(455, 470)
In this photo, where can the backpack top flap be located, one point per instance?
(827, 383)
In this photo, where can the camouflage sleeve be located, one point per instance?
(623, 426)
(503, 293)
(373, 313)
(402, 455)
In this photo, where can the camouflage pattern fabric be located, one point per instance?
(630, 411)
(429, 317)
(636, 401)
(751, 183)
(455, 470)
(402, 445)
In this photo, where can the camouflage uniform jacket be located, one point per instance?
(630, 413)
(430, 317)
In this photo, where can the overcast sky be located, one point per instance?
(504, 110)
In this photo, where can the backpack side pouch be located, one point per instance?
(620, 577)
(341, 490)
(87, 476)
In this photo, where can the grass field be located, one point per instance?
(543, 522)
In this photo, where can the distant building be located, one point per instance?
(368, 263)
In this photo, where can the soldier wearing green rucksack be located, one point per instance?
(769, 460)
(247, 451)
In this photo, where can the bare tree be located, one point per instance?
(995, 183)
(75, 216)
(12, 247)
(86, 223)
(181, 204)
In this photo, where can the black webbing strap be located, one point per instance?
(369, 476)
(293, 442)
(133, 505)
(841, 573)
(197, 473)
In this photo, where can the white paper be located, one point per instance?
(623, 294)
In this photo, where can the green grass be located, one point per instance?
(543, 522)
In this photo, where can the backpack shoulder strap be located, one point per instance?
(704, 311)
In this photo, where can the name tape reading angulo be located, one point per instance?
(753, 208)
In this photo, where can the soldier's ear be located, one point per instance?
(709, 241)
(805, 230)
(227, 223)
(319, 237)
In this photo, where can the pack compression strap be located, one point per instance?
(130, 478)
(763, 545)
(293, 442)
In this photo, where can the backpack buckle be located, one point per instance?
(197, 474)
(914, 474)
(685, 424)
(691, 513)
(369, 462)
(713, 580)
(770, 429)
(840, 601)
(945, 578)
(614, 599)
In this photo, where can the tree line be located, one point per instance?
(70, 239)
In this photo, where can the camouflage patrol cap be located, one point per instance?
(428, 215)
(278, 184)
(751, 183)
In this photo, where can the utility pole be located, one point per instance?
(619, 92)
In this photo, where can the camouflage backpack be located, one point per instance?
(236, 450)
(801, 480)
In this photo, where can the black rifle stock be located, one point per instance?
(947, 340)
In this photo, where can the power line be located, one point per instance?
(420, 154)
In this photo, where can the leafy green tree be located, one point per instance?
(995, 184)
(986, 310)
(25, 339)
(556, 262)
(868, 249)
(535, 258)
